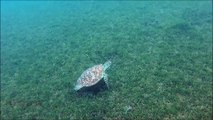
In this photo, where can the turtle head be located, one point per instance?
(107, 64)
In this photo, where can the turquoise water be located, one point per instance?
(161, 56)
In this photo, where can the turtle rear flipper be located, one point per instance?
(78, 87)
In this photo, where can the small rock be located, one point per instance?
(127, 108)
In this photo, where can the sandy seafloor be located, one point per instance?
(161, 56)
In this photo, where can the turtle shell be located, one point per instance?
(91, 76)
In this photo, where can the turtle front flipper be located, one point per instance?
(107, 64)
(105, 76)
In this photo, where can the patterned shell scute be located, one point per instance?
(91, 76)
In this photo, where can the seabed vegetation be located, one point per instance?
(161, 67)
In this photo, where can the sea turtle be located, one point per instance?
(93, 75)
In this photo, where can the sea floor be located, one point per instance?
(161, 56)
